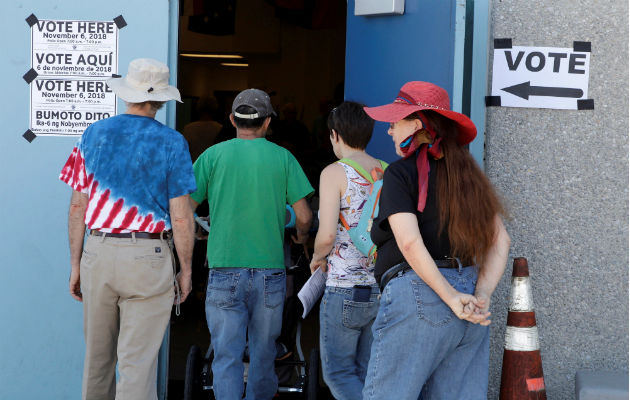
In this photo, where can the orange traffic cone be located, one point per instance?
(522, 375)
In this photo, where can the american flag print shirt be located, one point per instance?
(129, 166)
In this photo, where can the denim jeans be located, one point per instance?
(244, 305)
(419, 342)
(345, 340)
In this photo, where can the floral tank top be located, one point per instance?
(347, 266)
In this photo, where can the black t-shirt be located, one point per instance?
(400, 195)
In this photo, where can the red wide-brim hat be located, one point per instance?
(420, 96)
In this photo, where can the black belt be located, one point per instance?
(138, 235)
(404, 267)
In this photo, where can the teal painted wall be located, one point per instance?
(41, 341)
(479, 75)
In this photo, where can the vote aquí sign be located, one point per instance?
(540, 77)
(70, 62)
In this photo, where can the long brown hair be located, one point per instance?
(467, 201)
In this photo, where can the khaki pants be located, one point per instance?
(127, 287)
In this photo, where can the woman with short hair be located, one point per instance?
(350, 303)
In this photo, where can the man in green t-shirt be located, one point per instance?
(248, 181)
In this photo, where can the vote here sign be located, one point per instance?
(68, 106)
(72, 59)
(540, 77)
(75, 48)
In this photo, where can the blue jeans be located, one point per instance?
(345, 340)
(419, 342)
(244, 305)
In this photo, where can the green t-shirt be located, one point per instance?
(247, 184)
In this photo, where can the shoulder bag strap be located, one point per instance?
(360, 170)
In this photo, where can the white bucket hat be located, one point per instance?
(146, 80)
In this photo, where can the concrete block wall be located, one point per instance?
(564, 176)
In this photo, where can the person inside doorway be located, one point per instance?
(203, 133)
(345, 319)
(248, 181)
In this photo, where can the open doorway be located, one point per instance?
(293, 50)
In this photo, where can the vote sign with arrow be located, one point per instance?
(540, 77)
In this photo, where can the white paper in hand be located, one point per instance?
(312, 290)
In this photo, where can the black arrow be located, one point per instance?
(524, 90)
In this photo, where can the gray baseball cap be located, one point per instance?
(256, 99)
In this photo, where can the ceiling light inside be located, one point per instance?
(235, 65)
(199, 55)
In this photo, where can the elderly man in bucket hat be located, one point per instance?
(248, 181)
(131, 178)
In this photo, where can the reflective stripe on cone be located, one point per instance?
(522, 375)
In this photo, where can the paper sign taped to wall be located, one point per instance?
(68, 106)
(73, 59)
(75, 48)
(540, 77)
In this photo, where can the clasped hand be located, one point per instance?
(471, 308)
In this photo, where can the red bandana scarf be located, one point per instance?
(418, 140)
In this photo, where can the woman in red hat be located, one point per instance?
(442, 249)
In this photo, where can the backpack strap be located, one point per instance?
(357, 167)
(377, 173)
(344, 222)
(373, 176)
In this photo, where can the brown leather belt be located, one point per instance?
(138, 235)
(404, 267)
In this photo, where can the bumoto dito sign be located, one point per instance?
(541, 77)
(71, 61)
(67, 107)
